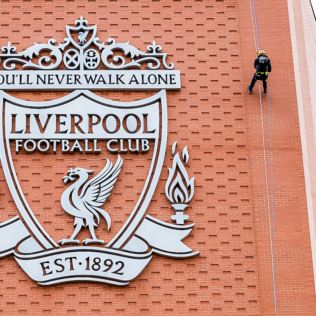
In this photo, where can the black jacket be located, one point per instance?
(262, 64)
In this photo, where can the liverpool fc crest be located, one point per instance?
(87, 217)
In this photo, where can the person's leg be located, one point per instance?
(252, 84)
(265, 85)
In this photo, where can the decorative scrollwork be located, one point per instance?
(152, 57)
(8, 49)
(81, 49)
(26, 58)
(46, 62)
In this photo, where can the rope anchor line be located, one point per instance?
(269, 184)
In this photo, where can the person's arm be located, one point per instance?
(255, 63)
(269, 66)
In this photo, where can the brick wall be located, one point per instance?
(211, 42)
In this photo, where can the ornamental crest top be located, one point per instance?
(83, 52)
(82, 49)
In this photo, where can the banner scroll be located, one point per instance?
(86, 263)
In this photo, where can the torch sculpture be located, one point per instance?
(179, 187)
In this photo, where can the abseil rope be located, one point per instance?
(269, 187)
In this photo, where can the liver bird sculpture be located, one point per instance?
(84, 199)
(82, 37)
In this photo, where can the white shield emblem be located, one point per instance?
(85, 122)
(81, 35)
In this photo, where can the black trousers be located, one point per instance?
(263, 78)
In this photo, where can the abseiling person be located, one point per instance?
(262, 65)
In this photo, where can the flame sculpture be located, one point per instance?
(179, 187)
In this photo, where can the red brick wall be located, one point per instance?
(286, 191)
(211, 42)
